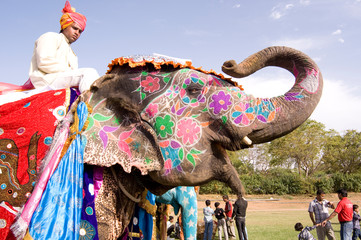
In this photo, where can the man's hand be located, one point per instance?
(324, 223)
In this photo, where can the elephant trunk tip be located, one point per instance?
(231, 68)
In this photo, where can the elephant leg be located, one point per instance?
(113, 208)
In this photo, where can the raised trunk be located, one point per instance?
(296, 105)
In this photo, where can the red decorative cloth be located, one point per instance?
(26, 133)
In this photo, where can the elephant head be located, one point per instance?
(169, 124)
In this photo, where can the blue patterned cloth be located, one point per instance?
(59, 211)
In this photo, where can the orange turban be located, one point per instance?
(70, 16)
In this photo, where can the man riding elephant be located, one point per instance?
(54, 63)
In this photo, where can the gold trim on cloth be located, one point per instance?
(146, 205)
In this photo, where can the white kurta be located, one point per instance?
(54, 64)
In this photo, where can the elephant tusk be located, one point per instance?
(247, 141)
(137, 200)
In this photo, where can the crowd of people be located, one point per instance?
(225, 219)
(348, 217)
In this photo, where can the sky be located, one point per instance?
(208, 32)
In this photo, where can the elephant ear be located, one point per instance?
(116, 135)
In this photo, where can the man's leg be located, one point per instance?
(230, 228)
(82, 78)
(224, 227)
(348, 230)
(329, 232)
(89, 76)
(239, 229)
(243, 227)
(219, 228)
(205, 230)
(210, 230)
(320, 233)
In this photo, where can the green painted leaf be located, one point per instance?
(90, 124)
(195, 116)
(184, 86)
(166, 79)
(205, 110)
(101, 118)
(194, 100)
(144, 73)
(181, 154)
(184, 70)
(138, 89)
(224, 119)
(190, 158)
(201, 82)
(195, 151)
(143, 95)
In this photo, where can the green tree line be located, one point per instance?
(307, 159)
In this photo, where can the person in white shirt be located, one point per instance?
(54, 63)
(208, 221)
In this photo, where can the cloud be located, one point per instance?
(280, 10)
(237, 6)
(338, 108)
(337, 32)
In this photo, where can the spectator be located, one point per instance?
(356, 223)
(228, 209)
(305, 232)
(239, 213)
(344, 210)
(170, 227)
(208, 221)
(221, 222)
(318, 211)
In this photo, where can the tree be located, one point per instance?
(343, 153)
(301, 149)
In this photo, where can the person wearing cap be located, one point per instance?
(54, 63)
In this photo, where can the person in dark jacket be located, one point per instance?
(239, 213)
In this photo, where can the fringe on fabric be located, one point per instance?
(158, 61)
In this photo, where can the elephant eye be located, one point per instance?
(194, 90)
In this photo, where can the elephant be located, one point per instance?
(160, 124)
(184, 198)
(157, 123)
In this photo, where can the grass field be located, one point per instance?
(274, 217)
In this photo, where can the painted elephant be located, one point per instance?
(157, 123)
(161, 124)
(184, 198)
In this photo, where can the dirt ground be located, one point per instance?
(276, 202)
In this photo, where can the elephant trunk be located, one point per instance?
(284, 113)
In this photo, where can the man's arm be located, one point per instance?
(235, 207)
(331, 205)
(46, 54)
(312, 218)
(329, 218)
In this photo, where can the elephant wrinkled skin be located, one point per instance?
(168, 126)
